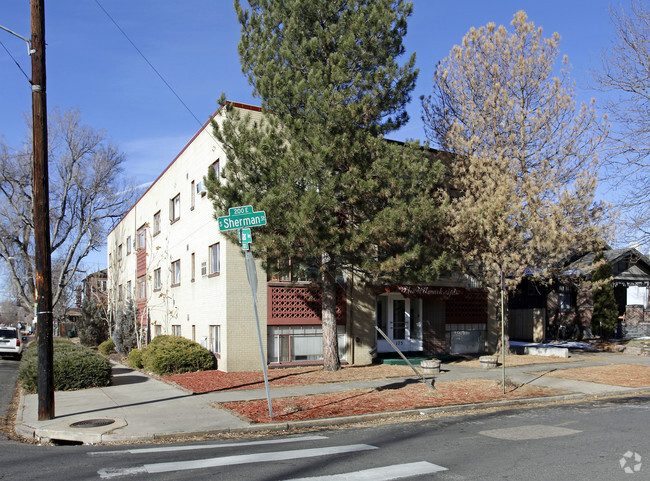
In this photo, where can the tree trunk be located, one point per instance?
(331, 361)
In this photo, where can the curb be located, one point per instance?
(112, 437)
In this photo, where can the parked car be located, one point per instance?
(10, 342)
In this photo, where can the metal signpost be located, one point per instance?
(242, 219)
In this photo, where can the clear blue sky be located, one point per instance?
(193, 44)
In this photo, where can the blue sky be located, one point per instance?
(193, 44)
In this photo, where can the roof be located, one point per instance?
(630, 266)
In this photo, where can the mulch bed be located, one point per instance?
(626, 375)
(208, 381)
(364, 401)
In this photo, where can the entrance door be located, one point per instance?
(401, 320)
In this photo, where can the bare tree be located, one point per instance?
(87, 197)
(525, 166)
(625, 75)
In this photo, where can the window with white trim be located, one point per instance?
(214, 259)
(157, 283)
(176, 273)
(175, 208)
(215, 339)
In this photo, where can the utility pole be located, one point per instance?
(41, 212)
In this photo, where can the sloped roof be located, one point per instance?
(637, 271)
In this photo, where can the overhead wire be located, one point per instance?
(16, 62)
(148, 62)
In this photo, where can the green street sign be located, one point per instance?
(241, 217)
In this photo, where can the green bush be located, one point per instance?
(107, 347)
(135, 359)
(175, 355)
(75, 367)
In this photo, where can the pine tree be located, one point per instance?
(605, 316)
(338, 196)
(525, 156)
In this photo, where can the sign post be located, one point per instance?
(242, 219)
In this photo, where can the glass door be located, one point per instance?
(401, 320)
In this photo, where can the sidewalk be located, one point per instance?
(140, 408)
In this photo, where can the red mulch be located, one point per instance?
(364, 401)
(207, 381)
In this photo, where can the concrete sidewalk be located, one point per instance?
(140, 408)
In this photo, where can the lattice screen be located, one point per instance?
(472, 308)
(301, 305)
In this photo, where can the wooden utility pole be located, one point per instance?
(41, 212)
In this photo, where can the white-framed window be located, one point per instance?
(192, 195)
(214, 261)
(215, 339)
(216, 166)
(156, 223)
(176, 272)
(176, 330)
(175, 208)
(157, 281)
(141, 238)
(142, 287)
(128, 245)
(128, 289)
(299, 343)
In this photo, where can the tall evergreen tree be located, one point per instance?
(338, 196)
(605, 316)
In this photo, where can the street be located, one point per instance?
(583, 441)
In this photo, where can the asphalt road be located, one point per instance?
(8, 374)
(586, 441)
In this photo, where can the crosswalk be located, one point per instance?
(281, 451)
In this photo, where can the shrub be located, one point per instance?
(75, 367)
(124, 334)
(93, 324)
(107, 347)
(135, 359)
(175, 355)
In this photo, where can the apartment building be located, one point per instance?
(185, 278)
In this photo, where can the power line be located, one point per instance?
(149, 63)
(16, 62)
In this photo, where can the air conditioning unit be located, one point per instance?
(200, 189)
(204, 269)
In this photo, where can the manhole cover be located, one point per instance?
(92, 423)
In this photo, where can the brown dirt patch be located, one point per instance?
(514, 360)
(364, 401)
(626, 375)
(207, 381)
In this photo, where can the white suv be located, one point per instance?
(10, 342)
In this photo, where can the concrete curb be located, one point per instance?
(29, 432)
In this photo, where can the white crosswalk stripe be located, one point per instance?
(195, 447)
(232, 460)
(386, 473)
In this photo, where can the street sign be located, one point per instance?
(240, 217)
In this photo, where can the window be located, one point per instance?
(141, 237)
(217, 168)
(194, 332)
(176, 273)
(157, 330)
(119, 252)
(156, 223)
(142, 287)
(157, 285)
(565, 297)
(215, 339)
(128, 245)
(214, 258)
(176, 330)
(300, 343)
(193, 266)
(128, 289)
(192, 195)
(120, 293)
(175, 208)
